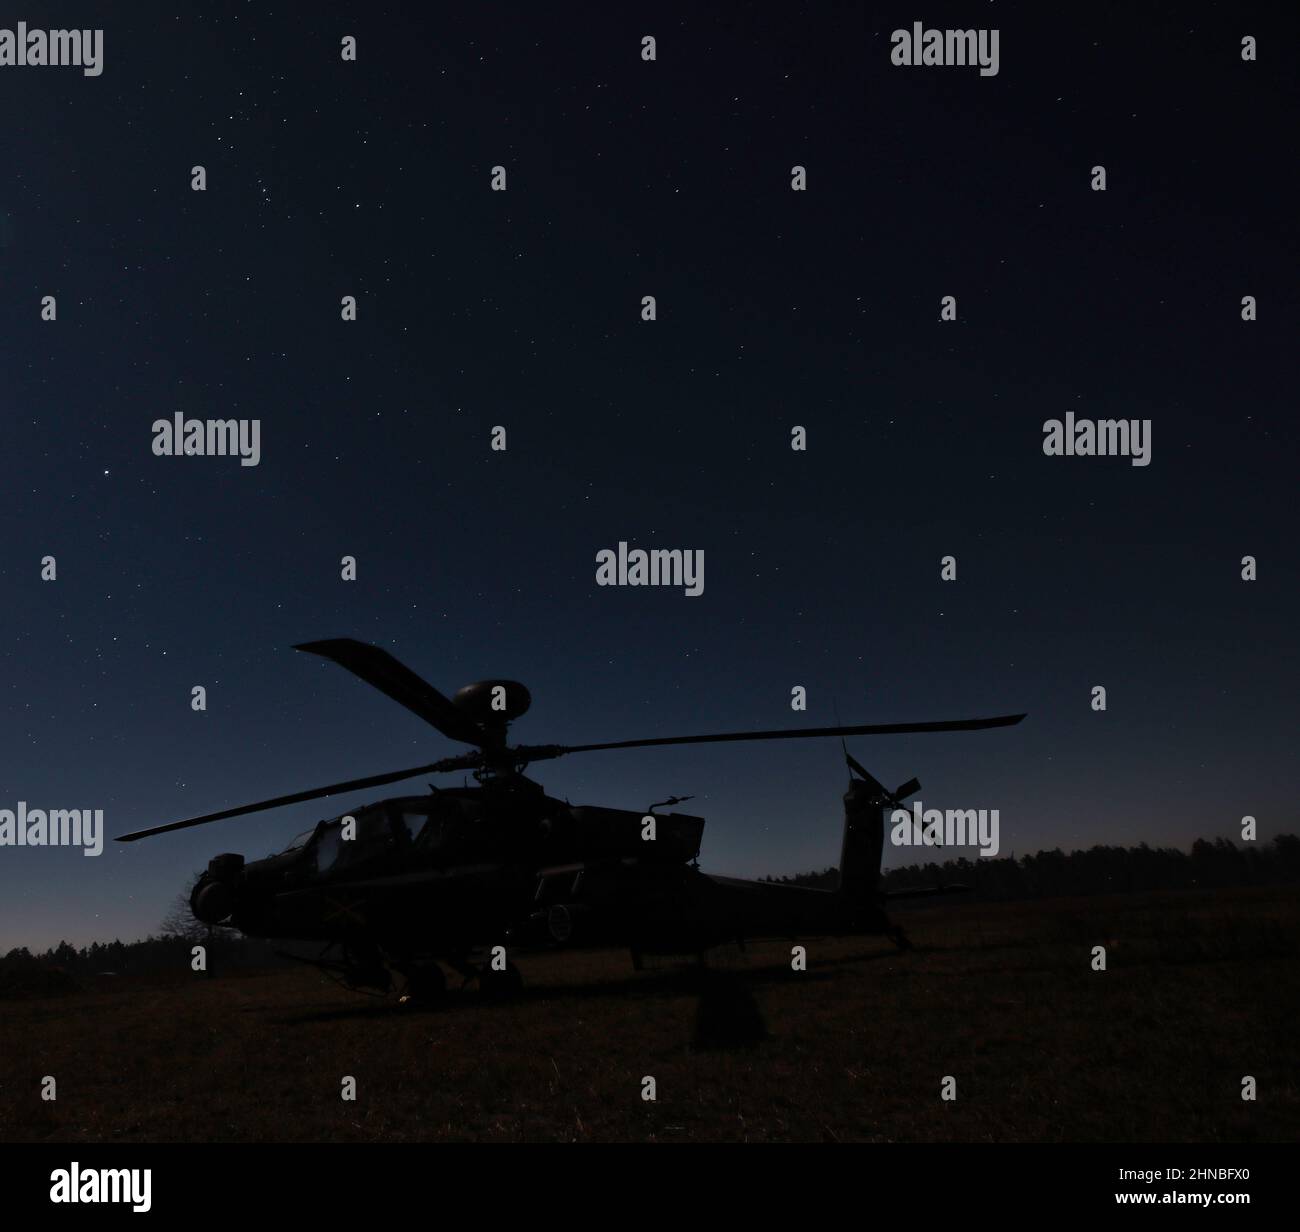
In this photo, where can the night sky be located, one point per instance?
(522, 309)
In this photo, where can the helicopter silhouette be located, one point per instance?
(467, 876)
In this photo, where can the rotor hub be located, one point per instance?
(493, 703)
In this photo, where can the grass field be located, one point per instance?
(1201, 989)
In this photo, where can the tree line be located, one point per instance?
(1216, 864)
(150, 955)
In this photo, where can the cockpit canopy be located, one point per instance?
(438, 825)
(456, 828)
(299, 840)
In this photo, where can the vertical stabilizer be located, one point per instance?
(865, 805)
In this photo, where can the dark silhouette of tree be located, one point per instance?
(180, 922)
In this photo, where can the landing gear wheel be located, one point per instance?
(899, 938)
(425, 985)
(500, 985)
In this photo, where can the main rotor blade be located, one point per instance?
(316, 793)
(379, 669)
(805, 733)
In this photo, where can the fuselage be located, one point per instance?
(441, 874)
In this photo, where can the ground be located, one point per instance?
(1201, 989)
